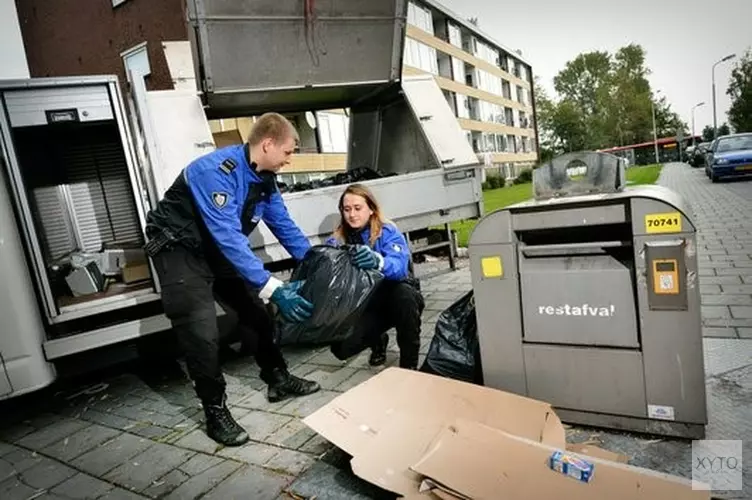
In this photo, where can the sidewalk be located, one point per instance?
(126, 437)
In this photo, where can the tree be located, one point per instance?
(668, 122)
(604, 100)
(740, 91)
(560, 125)
(707, 132)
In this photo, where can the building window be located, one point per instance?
(451, 100)
(523, 120)
(509, 115)
(474, 108)
(506, 89)
(488, 82)
(421, 56)
(458, 70)
(501, 143)
(489, 142)
(333, 131)
(511, 144)
(420, 17)
(521, 97)
(455, 35)
(490, 112)
(487, 53)
(477, 141)
(504, 62)
(469, 44)
(508, 171)
(463, 106)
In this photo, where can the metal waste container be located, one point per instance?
(587, 298)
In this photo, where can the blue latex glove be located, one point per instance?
(365, 258)
(292, 306)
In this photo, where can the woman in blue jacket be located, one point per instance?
(397, 303)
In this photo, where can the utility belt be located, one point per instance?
(162, 239)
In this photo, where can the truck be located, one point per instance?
(85, 158)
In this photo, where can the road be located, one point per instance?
(123, 435)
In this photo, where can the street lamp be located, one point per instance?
(715, 123)
(655, 129)
(693, 119)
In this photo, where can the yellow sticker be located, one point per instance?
(670, 222)
(492, 267)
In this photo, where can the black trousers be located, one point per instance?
(190, 286)
(394, 305)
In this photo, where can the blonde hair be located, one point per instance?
(274, 126)
(377, 217)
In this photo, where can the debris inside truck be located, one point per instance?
(359, 174)
(81, 274)
(338, 291)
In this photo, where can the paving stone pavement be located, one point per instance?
(131, 434)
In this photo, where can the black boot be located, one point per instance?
(222, 427)
(409, 345)
(283, 385)
(409, 355)
(378, 352)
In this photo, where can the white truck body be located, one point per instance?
(82, 165)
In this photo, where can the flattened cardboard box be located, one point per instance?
(394, 423)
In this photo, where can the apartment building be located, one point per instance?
(488, 86)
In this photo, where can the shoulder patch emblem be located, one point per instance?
(396, 247)
(228, 165)
(220, 199)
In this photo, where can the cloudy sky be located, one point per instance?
(682, 42)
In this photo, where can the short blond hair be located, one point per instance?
(273, 126)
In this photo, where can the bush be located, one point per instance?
(525, 176)
(493, 182)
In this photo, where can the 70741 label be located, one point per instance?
(670, 222)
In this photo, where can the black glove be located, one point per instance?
(292, 306)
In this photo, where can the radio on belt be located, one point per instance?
(587, 298)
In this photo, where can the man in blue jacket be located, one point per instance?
(198, 241)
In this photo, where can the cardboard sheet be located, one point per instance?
(495, 464)
(352, 420)
(396, 427)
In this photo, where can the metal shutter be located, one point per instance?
(79, 185)
(59, 239)
(101, 194)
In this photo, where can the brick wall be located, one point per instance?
(80, 37)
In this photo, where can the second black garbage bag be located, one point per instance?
(339, 292)
(454, 351)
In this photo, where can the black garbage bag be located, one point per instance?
(338, 291)
(454, 351)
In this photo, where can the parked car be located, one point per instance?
(687, 154)
(698, 155)
(730, 156)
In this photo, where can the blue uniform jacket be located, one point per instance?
(220, 183)
(391, 247)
